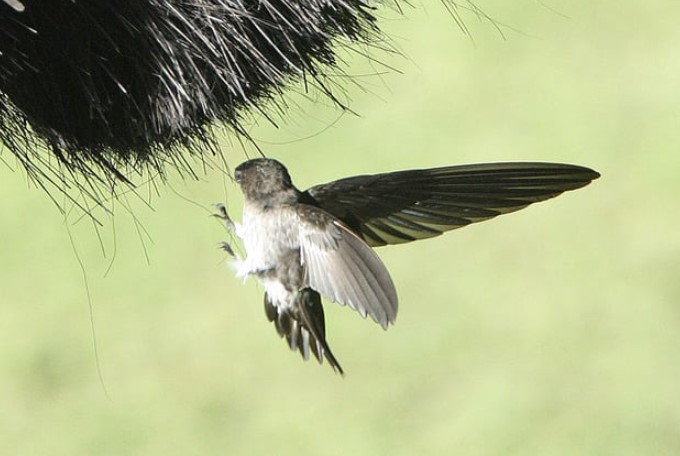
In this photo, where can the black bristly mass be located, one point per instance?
(97, 92)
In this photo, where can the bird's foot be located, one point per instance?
(224, 245)
(231, 229)
(224, 216)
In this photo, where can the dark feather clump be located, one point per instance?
(117, 87)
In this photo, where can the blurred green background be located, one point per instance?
(553, 331)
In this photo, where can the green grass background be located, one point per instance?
(553, 331)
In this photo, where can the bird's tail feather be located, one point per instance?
(303, 326)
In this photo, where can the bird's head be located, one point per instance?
(265, 180)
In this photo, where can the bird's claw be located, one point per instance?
(224, 216)
(227, 248)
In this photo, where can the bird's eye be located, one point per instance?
(238, 175)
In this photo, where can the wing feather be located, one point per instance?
(343, 268)
(403, 206)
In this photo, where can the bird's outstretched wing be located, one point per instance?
(403, 206)
(343, 268)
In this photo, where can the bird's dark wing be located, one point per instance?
(343, 268)
(403, 206)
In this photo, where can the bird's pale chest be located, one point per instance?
(268, 235)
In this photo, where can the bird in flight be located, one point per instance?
(302, 245)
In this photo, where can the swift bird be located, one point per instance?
(302, 245)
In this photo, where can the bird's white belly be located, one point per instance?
(267, 236)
